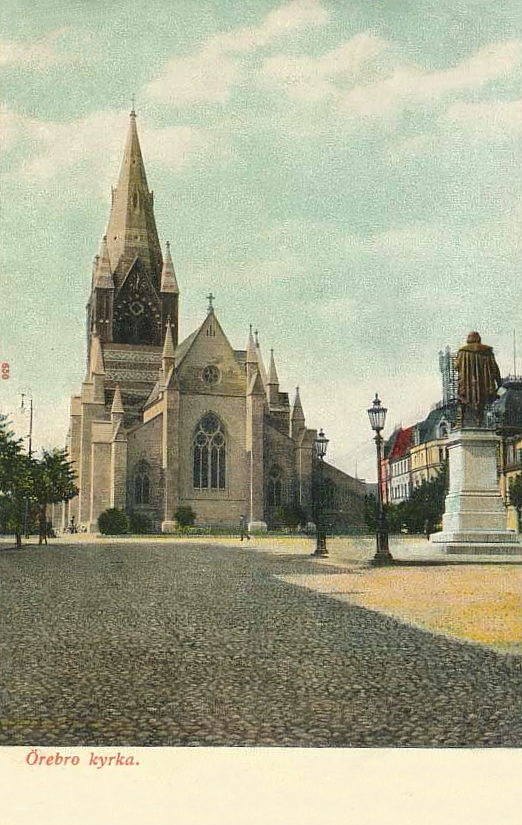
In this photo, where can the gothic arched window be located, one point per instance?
(209, 451)
(274, 487)
(142, 483)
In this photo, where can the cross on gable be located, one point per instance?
(210, 299)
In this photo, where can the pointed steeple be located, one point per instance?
(272, 372)
(297, 422)
(168, 276)
(260, 362)
(297, 410)
(168, 346)
(272, 383)
(251, 355)
(168, 357)
(251, 358)
(117, 403)
(131, 230)
(102, 273)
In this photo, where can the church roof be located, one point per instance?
(131, 230)
(184, 346)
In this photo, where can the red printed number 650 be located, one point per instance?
(5, 370)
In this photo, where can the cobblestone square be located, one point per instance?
(168, 643)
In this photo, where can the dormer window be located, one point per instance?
(443, 429)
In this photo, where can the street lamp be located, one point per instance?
(377, 416)
(320, 447)
(28, 408)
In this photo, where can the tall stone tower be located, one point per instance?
(134, 290)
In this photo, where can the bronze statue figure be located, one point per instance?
(479, 379)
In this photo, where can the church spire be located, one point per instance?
(131, 231)
(168, 276)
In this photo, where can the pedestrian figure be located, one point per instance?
(243, 529)
(72, 526)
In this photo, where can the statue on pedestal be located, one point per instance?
(479, 379)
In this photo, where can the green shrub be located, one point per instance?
(291, 515)
(113, 522)
(139, 523)
(185, 516)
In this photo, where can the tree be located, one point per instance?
(185, 516)
(425, 507)
(16, 481)
(113, 522)
(515, 496)
(370, 512)
(292, 515)
(53, 481)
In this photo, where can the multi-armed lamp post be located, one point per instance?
(377, 416)
(320, 447)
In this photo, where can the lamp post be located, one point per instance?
(377, 416)
(29, 453)
(320, 447)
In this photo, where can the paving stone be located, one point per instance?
(163, 644)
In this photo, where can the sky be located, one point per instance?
(344, 176)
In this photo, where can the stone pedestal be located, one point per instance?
(257, 526)
(169, 526)
(475, 519)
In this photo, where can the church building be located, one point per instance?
(162, 423)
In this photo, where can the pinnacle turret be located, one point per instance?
(297, 422)
(273, 378)
(168, 346)
(260, 363)
(117, 403)
(251, 355)
(97, 365)
(102, 272)
(168, 276)
(297, 410)
(272, 382)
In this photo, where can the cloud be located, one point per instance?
(41, 55)
(308, 78)
(495, 121)
(94, 143)
(211, 73)
(368, 77)
(411, 86)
